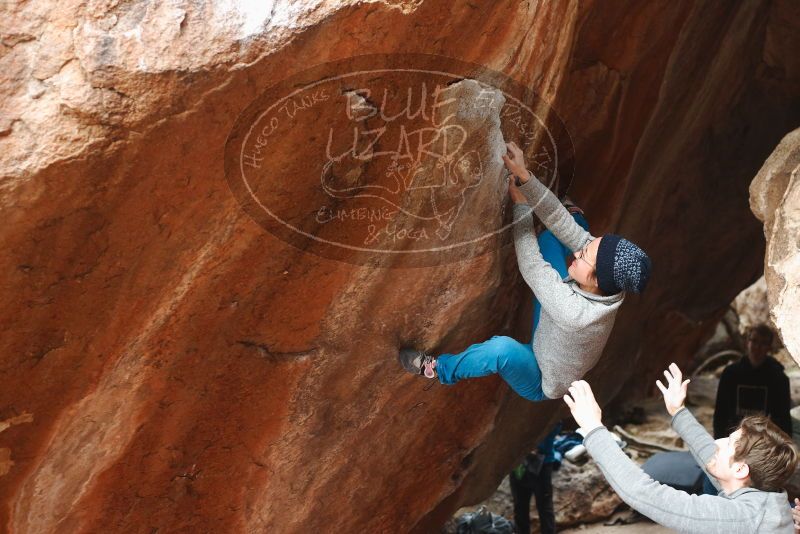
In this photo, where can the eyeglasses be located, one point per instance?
(581, 256)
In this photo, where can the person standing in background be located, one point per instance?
(534, 477)
(756, 384)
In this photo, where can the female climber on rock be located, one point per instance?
(579, 282)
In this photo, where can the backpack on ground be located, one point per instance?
(483, 522)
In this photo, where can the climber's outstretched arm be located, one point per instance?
(545, 204)
(562, 303)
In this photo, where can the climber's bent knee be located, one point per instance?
(517, 364)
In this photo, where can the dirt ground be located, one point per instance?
(636, 528)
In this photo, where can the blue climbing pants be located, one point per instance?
(512, 360)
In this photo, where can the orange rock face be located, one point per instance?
(169, 365)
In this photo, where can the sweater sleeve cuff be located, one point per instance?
(531, 189)
(520, 211)
(593, 432)
(679, 415)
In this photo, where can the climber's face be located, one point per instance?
(582, 265)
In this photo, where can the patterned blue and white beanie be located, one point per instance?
(621, 266)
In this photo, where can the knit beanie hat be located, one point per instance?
(621, 266)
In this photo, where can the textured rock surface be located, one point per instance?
(177, 368)
(751, 306)
(775, 199)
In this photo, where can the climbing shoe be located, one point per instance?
(417, 362)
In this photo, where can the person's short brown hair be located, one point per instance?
(768, 451)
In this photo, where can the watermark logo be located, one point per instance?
(391, 160)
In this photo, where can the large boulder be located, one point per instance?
(775, 200)
(167, 365)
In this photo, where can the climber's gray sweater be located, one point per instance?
(745, 511)
(574, 325)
